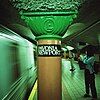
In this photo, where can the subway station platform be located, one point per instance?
(72, 83)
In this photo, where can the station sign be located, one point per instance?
(49, 50)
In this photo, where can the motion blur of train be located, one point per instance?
(18, 70)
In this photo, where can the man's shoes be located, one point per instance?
(86, 95)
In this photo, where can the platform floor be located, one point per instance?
(72, 83)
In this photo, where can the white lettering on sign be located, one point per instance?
(49, 50)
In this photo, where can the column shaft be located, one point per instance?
(49, 75)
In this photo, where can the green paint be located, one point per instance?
(48, 26)
(48, 13)
(48, 19)
(46, 5)
(48, 37)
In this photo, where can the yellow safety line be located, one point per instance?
(33, 92)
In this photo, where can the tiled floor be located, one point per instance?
(73, 83)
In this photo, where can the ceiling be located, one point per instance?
(85, 28)
(10, 18)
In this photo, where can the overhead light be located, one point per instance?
(64, 49)
(69, 47)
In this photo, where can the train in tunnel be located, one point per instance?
(17, 65)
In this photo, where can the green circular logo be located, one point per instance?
(49, 25)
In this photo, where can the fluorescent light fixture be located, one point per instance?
(64, 49)
(69, 47)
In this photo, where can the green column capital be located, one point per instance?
(48, 25)
(48, 19)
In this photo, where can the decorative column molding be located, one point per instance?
(48, 20)
(46, 5)
(48, 26)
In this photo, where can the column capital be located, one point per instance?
(46, 5)
(48, 25)
(48, 19)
